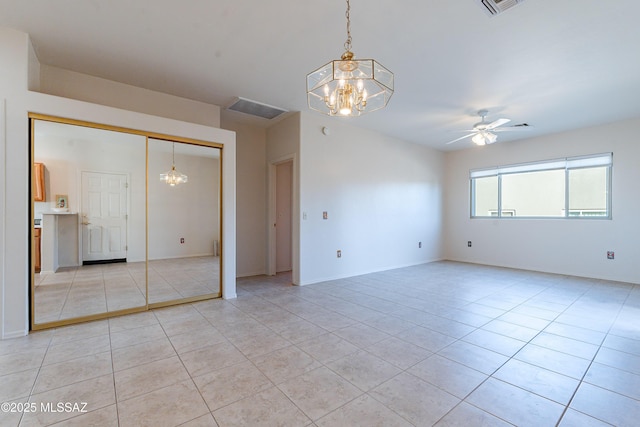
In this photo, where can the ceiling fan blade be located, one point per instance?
(458, 139)
(513, 129)
(497, 123)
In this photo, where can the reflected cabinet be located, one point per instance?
(122, 221)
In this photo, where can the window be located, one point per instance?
(575, 187)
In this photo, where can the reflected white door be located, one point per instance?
(104, 216)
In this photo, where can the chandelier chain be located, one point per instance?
(347, 44)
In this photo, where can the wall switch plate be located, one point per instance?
(339, 253)
(611, 255)
(419, 245)
(325, 215)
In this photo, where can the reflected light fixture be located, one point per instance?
(173, 177)
(349, 87)
(484, 137)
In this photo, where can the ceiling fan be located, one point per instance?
(483, 132)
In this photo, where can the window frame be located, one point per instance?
(567, 164)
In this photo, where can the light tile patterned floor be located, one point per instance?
(443, 344)
(100, 288)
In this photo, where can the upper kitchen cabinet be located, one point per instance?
(38, 189)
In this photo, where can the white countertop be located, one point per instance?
(59, 213)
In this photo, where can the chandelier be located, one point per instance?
(348, 86)
(173, 177)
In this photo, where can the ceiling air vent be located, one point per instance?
(495, 7)
(255, 108)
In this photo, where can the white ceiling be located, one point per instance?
(554, 64)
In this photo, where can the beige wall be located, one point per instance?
(69, 84)
(383, 197)
(251, 233)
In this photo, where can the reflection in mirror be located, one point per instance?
(89, 228)
(184, 222)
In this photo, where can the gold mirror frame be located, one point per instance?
(34, 175)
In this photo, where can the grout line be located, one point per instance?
(113, 374)
(593, 361)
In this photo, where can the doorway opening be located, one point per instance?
(284, 210)
(283, 225)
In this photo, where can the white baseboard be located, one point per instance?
(250, 274)
(14, 334)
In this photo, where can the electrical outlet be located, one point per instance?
(182, 240)
(325, 215)
(611, 255)
(469, 244)
(339, 253)
(419, 245)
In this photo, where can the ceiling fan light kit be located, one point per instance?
(349, 87)
(483, 132)
(484, 138)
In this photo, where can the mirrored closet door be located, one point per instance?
(108, 236)
(184, 222)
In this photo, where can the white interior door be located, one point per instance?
(104, 216)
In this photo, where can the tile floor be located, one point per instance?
(91, 289)
(443, 344)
